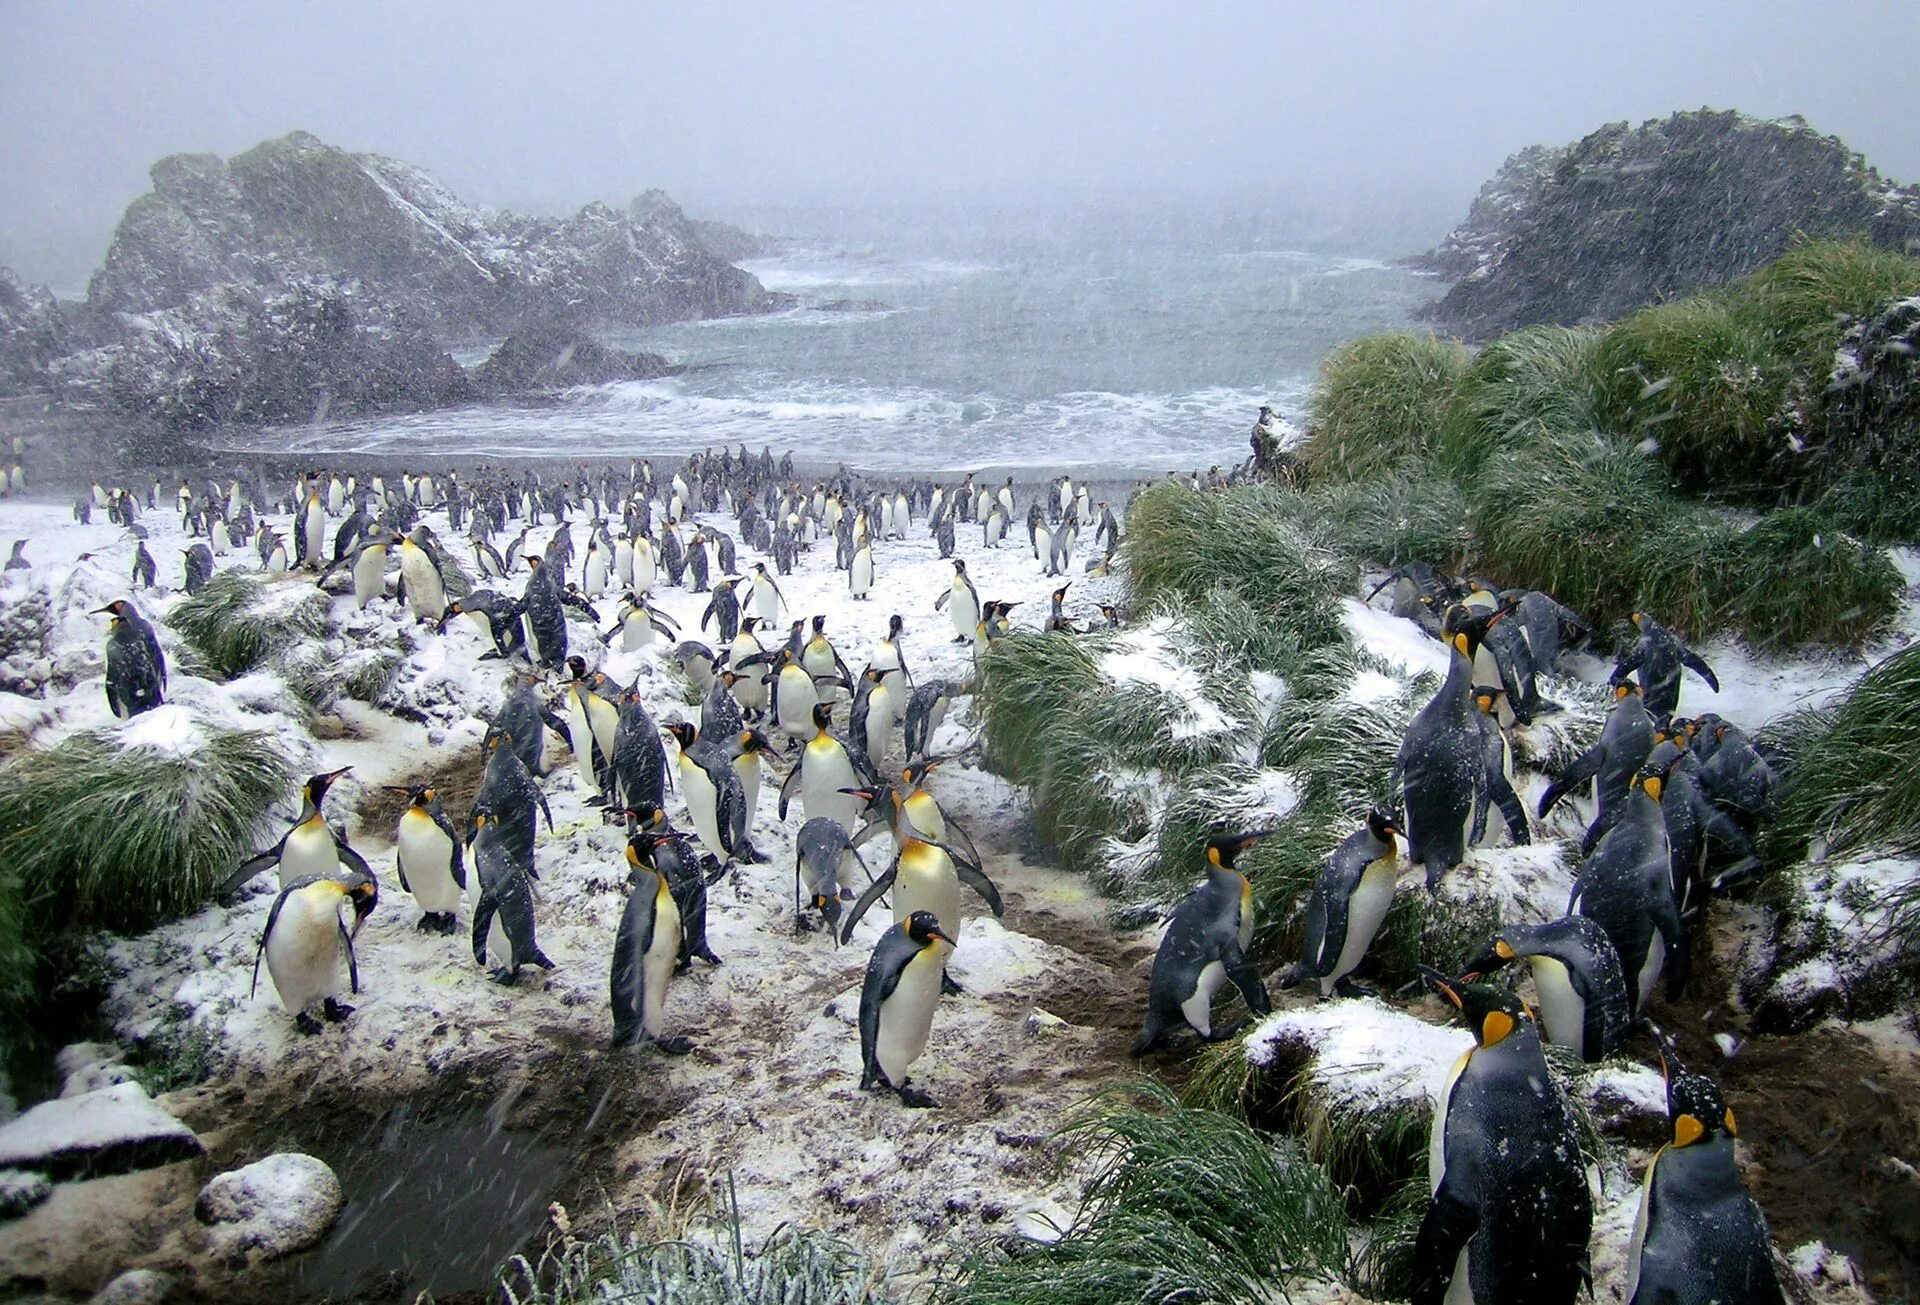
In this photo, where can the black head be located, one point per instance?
(822, 715)
(1695, 1108)
(1223, 850)
(683, 733)
(1060, 594)
(578, 665)
(317, 786)
(1382, 825)
(753, 742)
(924, 928)
(364, 893)
(819, 623)
(895, 624)
(1491, 1013)
(959, 566)
(1466, 628)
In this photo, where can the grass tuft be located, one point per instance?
(1381, 404)
(1543, 378)
(235, 624)
(1853, 780)
(1189, 1204)
(1804, 299)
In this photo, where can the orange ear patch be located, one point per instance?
(1495, 1028)
(1728, 1119)
(1687, 1130)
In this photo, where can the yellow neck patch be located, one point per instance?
(1687, 1130)
(1495, 1028)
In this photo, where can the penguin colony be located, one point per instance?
(1677, 802)
(784, 729)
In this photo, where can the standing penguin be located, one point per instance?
(1699, 1237)
(1510, 1213)
(429, 857)
(820, 855)
(888, 659)
(1348, 905)
(306, 939)
(639, 762)
(593, 722)
(1624, 742)
(646, 951)
(723, 610)
(1658, 658)
(421, 575)
(198, 567)
(546, 617)
(926, 876)
(860, 572)
(767, 598)
(1577, 982)
(311, 847)
(1205, 945)
(1626, 887)
(143, 569)
(926, 708)
(823, 775)
(963, 602)
(503, 928)
(897, 997)
(136, 668)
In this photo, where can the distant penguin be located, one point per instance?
(429, 857)
(1699, 1238)
(136, 676)
(311, 847)
(1657, 660)
(1510, 1214)
(890, 661)
(1349, 903)
(897, 1000)
(307, 938)
(143, 568)
(723, 611)
(963, 603)
(860, 573)
(1577, 983)
(546, 616)
(646, 951)
(422, 576)
(1205, 945)
(199, 568)
(503, 925)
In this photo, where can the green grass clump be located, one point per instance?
(1543, 378)
(1189, 1204)
(1396, 518)
(1705, 384)
(1802, 579)
(1180, 544)
(1879, 506)
(101, 836)
(1381, 404)
(1853, 779)
(1804, 299)
(234, 629)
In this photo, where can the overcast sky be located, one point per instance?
(730, 105)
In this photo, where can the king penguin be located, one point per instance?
(503, 927)
(1577, 982)
(897, 997)
(1348, 904)
(963, 603)
(136, 678)
(429, 857)
(646, 951)
(1509, 1214)
(1204, 946)
(306, 939)
(311, 847)
(1626, 887)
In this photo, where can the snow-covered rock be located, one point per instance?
(89, 1066)
(109, 1131)
(21, 1190)
(274, 1206)
(1832, 951)
(135, 1287)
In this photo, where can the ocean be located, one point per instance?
(1118, 345)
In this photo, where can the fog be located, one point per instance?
(1385, 115)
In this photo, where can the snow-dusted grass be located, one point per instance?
(1190, 1204)
(1853, 779)
(236, 624)
(1381, 404)
(1803, 298)
(1542, 378)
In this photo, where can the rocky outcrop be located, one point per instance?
(33, 332)
(556, 357)
(1629, 216)
(114, 1130)
(725, 240)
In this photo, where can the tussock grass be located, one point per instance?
(101, 836)
(1543, 378)
(1704, 382)
(1805, 580)
(1381, 404)
(1853, 778)
(1404, 517)
(235, 626)
(1880, 506)
(1804, 299)
(1190, 1204)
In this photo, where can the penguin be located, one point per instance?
(897, 997)
(697, 561)
(310, 531)
(720, 709)
(494, 615)
(143, 568)
(1348, 904)
(503, 927)
(767, 598)
(926, 876)
(795, 695)
(311, 847)
(877, 720)
(1057, 622)
(1698, 1237)
(820, 855)
(136, 678)
(1204, 946)
(716, 801)
(1737, 777)
(1657, 659)
(1542, 619)
(749, 752)
(639, 761)
(860, 573)
(696, 662)
(1614, 759)
(1441, 770)
(821, 659)
(370, 568)
(199, 567)
(1577, 983)
(429, 858)
(1626, 887)
(594, 568)
(592, 723)
(926, 708)
(963, 602)
(723, 610)
(891, 662)
(306, 938)
(1509, 1214)
(510, 796)
(675, 858)
(646, 951)
(823, 775)
(421, 575)
(546, 617)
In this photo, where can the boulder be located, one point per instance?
(135, 1287)
(114, 1130)
(21, 1190)
(1630, 216)
(551, 357)
(274, 1206)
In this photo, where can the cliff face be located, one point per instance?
(296, 281)
(1629, 216)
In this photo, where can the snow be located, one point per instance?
(274, 1206)
(21, 1190)
(110, 1130)
(1367, 1056)
(1402, 643)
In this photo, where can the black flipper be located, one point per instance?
(868, 898)
(1449, 1224)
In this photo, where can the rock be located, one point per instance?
(1629, 216)
(274, 1206)
(85, 1234)
(729, 243)
(33, 332)
(1832, 952)
(21, 1190)
(114, 1130)
(551, 356)
(135, 1287)
(89, 1066)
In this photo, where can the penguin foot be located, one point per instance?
(335, 1011)
(914, 1099)
(1227, 1033)
(948, 988)
(756, 856)
(448, 925)
(596, 801)
(705, 953)
(306, 1024)
(1346, 987)
(429, 922)
(505, 978)
(674, 1046)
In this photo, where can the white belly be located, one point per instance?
(309, 850)
(1460, 1290)
(303, 953)
(862, 573)
(426, 853)
(929, 888)
(645, 570)
(765, 603)
(369, 576)
(1437, 1135)
(425, 594)
(822, 775)
(498, 950)
(697, 791)
(1650, 970)
(658, 964)
(636, 632)
(580, 738)
(797, 701)
(594, 582)
(906, 1016)
(1199, 1007)
(1366, 910)
(879, 723)
(965, 612)
(1562, 1012)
